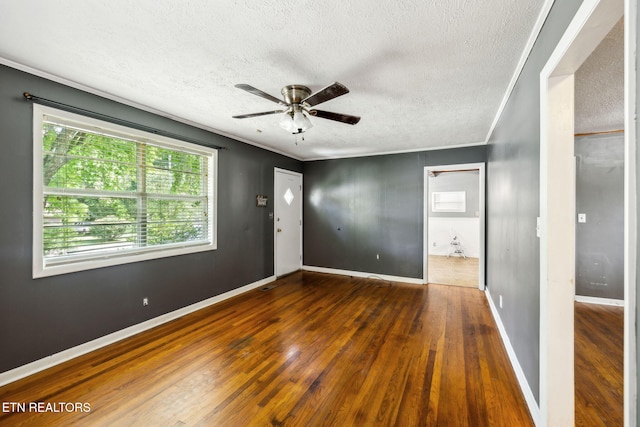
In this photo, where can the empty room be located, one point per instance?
(318, 213)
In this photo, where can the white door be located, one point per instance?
(288, 222)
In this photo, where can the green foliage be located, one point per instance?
(75, 159)
(173, 172)
(172, 221)
(111, 229)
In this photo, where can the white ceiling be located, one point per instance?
(599, 86)
(422, 75)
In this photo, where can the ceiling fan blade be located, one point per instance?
(264, 113)
(334, 90)
(338, 117)
(260, 93)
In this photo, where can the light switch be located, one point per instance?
(582, 217)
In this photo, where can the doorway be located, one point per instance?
(287, 221)
(592, 23)
(454, 232)
(599, 274)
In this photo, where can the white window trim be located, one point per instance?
(52, 268)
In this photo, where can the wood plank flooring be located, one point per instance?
(599, 365)
(453, 270)
(317, 349)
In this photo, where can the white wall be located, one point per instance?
(442, 230)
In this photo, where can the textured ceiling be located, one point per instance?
(422, 75)
(599, 86)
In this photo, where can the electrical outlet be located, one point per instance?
(377, 256)
(500, 301)
(145, 301)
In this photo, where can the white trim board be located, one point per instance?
(601, 301)
(71, 353)
(630, 212)
(365, 275)
(534, 409)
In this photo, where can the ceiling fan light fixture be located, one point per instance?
(286, 123)
(295, 122)
(301, 121)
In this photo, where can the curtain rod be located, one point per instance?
(111, 119)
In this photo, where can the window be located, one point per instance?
(105, 194)
(448, 201)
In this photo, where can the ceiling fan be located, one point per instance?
(298, 103)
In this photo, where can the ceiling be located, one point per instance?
(422, 75)
(599, 86)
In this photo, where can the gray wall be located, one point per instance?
(513, 195)
(44, 316)
(466, 181)
(600, 195)
(355, 209)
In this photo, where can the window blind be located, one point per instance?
(107, 193)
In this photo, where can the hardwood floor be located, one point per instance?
(453, 270)
(317, 349)
(599, 365)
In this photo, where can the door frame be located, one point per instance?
(592, 22)
(481, 220)
(275, 216)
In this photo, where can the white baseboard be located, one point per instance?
(602, 301)
(71, 353)
(363, 274)
(534, 409)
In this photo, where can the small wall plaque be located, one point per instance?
(261, 201)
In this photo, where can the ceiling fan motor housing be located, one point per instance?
(294, 94)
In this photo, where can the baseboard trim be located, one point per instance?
(71, 353)
(411, 280)
(601, 301)
(534, 409)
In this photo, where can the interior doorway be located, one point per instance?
(454, 218)
(599, 228)
(556, 229)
